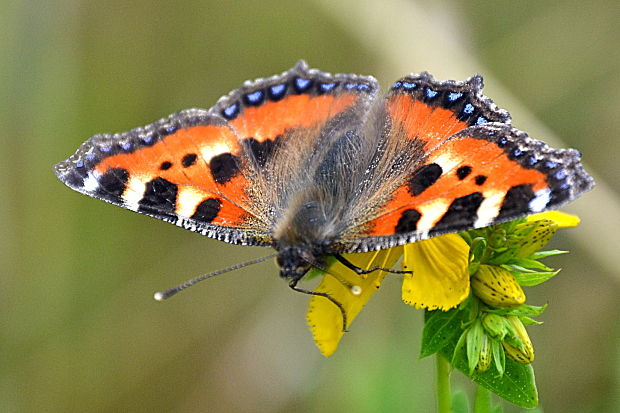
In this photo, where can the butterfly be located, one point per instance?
(316, 165)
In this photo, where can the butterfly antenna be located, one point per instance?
(162, 295)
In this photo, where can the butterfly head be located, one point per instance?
(295, 261)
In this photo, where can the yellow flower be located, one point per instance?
(561, 219)
(440, 276)
(324, 318)
(440, 279)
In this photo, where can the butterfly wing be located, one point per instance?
(208, 171)
(173, 170)
(468, 167)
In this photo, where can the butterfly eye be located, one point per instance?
(307, 256)
(279, 260)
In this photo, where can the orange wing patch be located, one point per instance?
(430, 111)
(416, 119)
(296, 111)
(178, 173)
(467, 182)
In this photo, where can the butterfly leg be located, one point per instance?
(359, 270)
(293, 285)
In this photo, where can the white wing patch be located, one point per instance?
(432, 212)
(188, 199)
(540, 200)
(489, 208)
(216, 148)
(134, 192)
(91, 182)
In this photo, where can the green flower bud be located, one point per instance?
(484, 361)
(495, 326)
(497, 239)
(532, 236)
(519, 346)
(497, 287)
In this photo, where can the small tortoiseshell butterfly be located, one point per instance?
(316, 165)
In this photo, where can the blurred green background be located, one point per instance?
(80, 330)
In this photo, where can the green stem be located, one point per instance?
(482, 403)
(444, 396)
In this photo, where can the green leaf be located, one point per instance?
(474, 344)
(520, 311)
(530, 321)
(517, 385)
(459, 345)
(516, 269)
(466, 237)
(499, 357)
(534, 278)
(478, 245)
(528, 263)
(502, 258)
(440, 328)
(543, 254)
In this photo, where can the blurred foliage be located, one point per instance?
(80, 331)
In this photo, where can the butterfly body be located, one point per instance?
(314, 164)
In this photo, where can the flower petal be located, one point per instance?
(562, 219)
(325, 318)
(440, 278)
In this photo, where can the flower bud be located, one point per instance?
(495, 326)
(534, 236)
(497, 287)
(519, 347)
(497, 239)
(484, 361)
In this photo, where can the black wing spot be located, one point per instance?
(160, 197)
(408, 221)
(516, 202)
(113, 181)
(188, 160)
(165, 165)
(262, 151)
(480, 179)
(207, 210)
(461, 214)
(423, 178)
(224, 167)
(463, 172)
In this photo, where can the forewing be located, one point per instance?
(171, 170)
(423, 109)
(470, 168)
